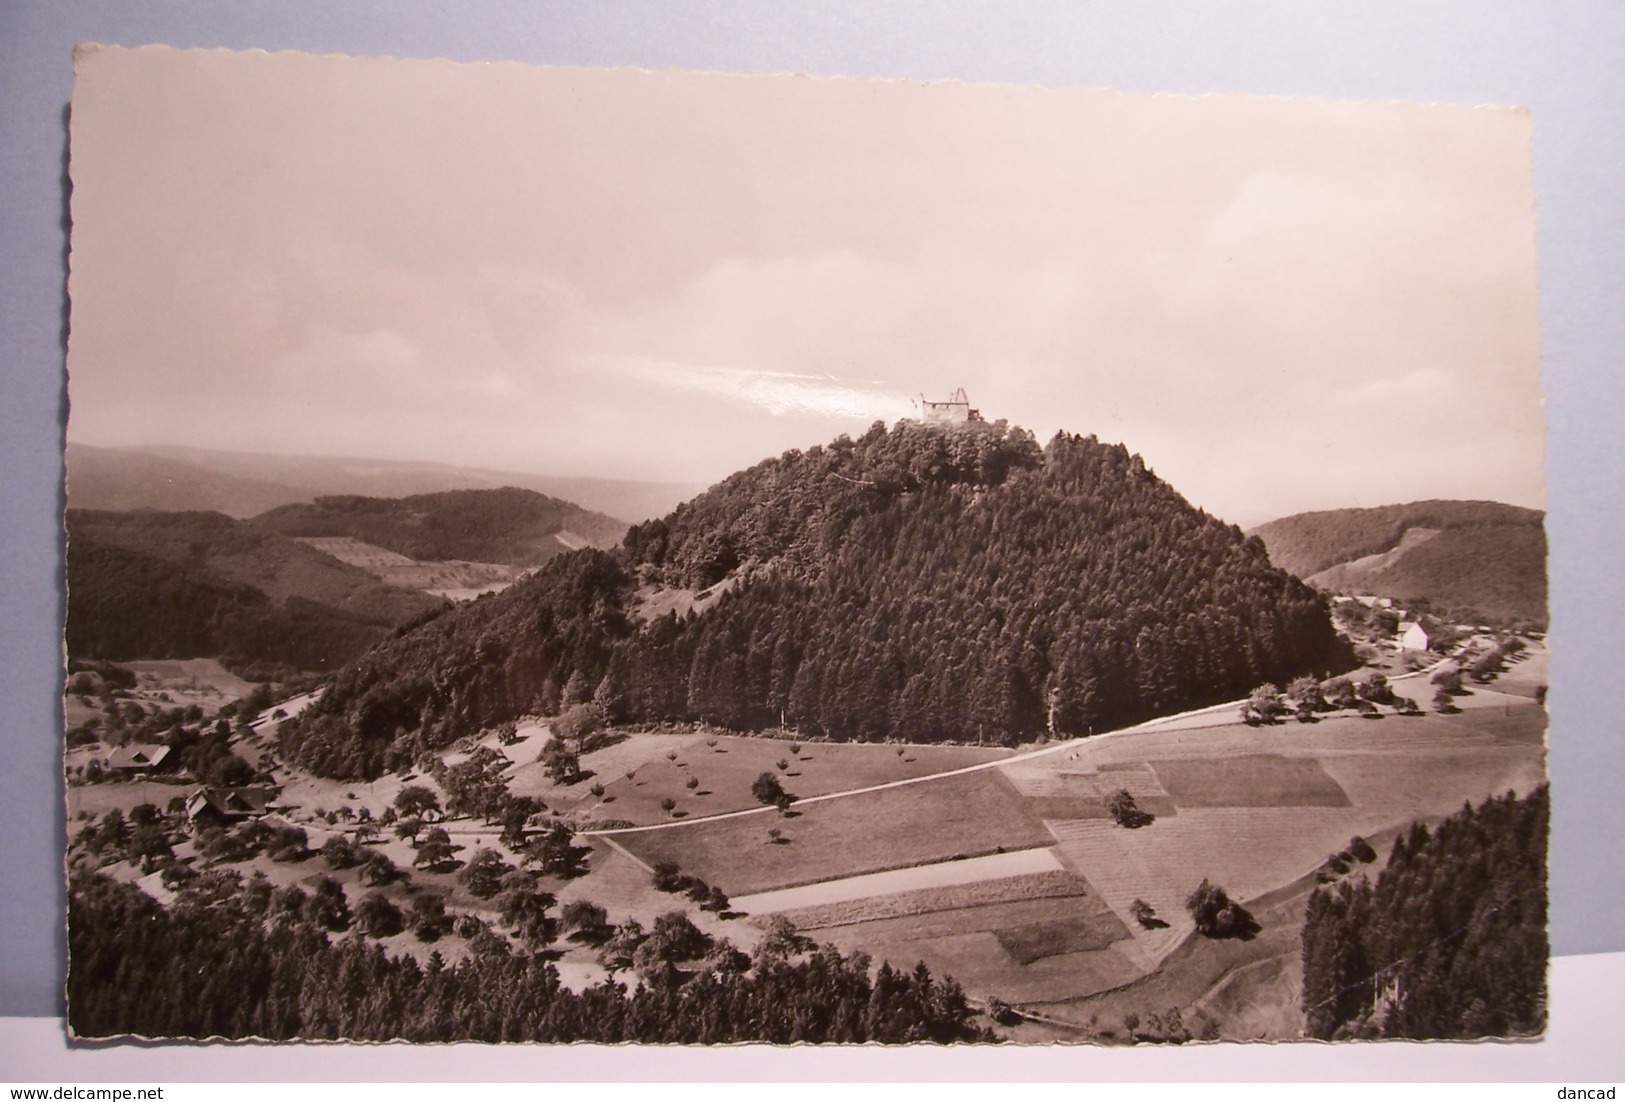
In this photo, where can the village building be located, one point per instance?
(1413, 636)
(137, 758)
(224, 807)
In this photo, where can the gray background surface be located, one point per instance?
(1560, 59)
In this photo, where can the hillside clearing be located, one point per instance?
(969, 814)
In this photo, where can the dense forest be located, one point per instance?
(1449, 942)
(190, 585)
(1478, 559)
(921, 582)
(511, 526)
(239, 966)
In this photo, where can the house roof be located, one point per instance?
(231, 802)
(137, 755)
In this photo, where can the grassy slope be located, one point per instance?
(726, 771)
(1277, 822)
(965, 815)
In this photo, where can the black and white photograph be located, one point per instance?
(567, 554)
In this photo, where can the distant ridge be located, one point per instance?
(245, 484)
(1478, 558)
(511, 526)
(145, 584)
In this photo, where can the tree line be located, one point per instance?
(1449, 940)
(233, 965)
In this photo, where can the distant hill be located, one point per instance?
(244, 484)
(922, 583)
(1474, 558)
(183, 585)
(511, 526)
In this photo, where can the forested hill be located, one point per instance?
(188, 585)
(511, 526)
(921, 582)
(1477, 558)
(1450, 941)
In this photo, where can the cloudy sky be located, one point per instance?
(1282, 304)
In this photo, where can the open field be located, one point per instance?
(1039, 885)
(725, 772)
(911, 883)
(1254, 809)
(970, 814)
(1199, 971)
(187, 681)
(1248, 780)
(446, 579)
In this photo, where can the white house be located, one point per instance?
(1414, 636)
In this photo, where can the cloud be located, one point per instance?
(779, 393)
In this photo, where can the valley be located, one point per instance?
(1005, 716)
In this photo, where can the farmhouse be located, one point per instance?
(224, 806)
(137, 758)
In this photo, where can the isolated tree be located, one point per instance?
(1339, 692)
(767, 789)
(483, 873)
(555, 851)
(1265, 702)
(340, 853)
(1448, 680)
(667, 804)
(428, 918)
(1145, 914)
(377, 870)
(1304, 692)
(530, 913)
(327, 906)
(725, 959)
(516, 815)
(435, 851)
(589, 920)
(562, 764)
(667, 877)
(1218, 916)
(617, 952)
(1375, 689)
(780, 941)
(677, 938)
(1123, 808)
(378, 917)
(416, 801)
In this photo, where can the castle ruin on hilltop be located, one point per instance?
(955, 411)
